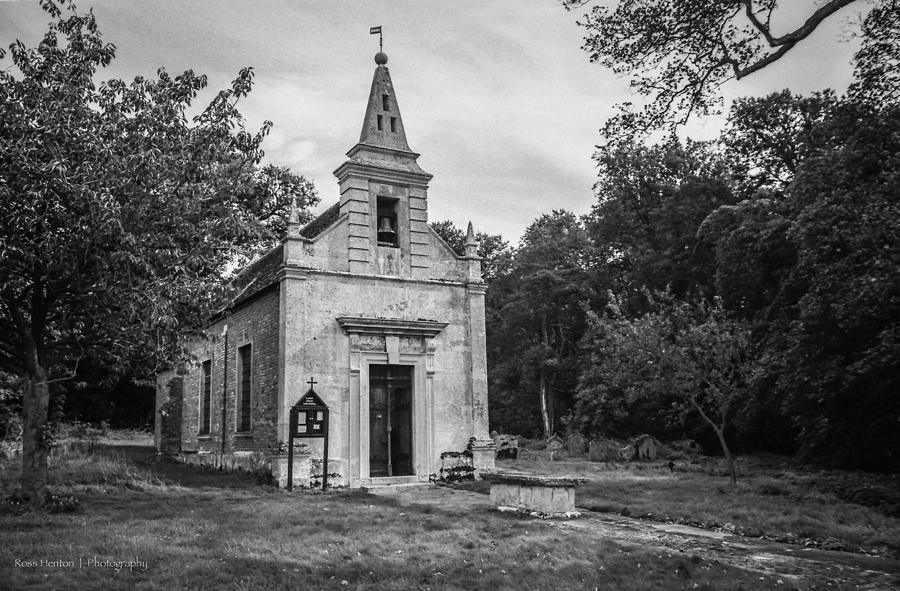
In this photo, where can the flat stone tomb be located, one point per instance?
(543, 496)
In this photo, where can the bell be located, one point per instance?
(385, 226)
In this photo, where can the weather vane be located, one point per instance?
(377, 31)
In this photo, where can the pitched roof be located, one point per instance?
(321, 222)
(258, 275)
(262, 272)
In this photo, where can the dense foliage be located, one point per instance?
(121, 216)
(776, 247)
(745, 287)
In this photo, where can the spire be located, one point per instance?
(383, 126)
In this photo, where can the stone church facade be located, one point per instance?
(367, 301)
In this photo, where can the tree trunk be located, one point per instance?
(720, 433)
(731, 467)
(546, 415)
(546, 389)
(35, 407)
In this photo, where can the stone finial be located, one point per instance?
(471, 242)
(293, 225)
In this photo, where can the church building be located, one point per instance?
(366, 305)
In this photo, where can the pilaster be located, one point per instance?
(291, 335)
(478, 351)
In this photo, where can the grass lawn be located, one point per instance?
(829, 509)
(199, 529)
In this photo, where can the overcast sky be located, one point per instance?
(497, 96)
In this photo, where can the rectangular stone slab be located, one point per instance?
(544, 495)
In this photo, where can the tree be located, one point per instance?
(689, 354)
(650, 202)
(539, 316)
(835, 334)
(768, 138)
(810, 262)
(679, 53)
(121, 217)
(877, 73)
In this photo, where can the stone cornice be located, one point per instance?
(291, 272)
(391, 326)
(381, 173)
(381, 150)
(392, 278)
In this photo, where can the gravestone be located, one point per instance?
(646, 447)
(604, 450)
(555, 443)
(576, 444)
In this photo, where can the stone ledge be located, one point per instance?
(531, 479)
(564, 515)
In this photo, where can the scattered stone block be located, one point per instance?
(507, 446)
(456, 466)
(508, 453)
(484, 453)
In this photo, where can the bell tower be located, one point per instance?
(384, 191)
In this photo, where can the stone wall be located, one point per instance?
(255, 324)
(316, 346)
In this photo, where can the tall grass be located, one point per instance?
(814, 508)
(83, 466)
(73, 466)
(258, 538)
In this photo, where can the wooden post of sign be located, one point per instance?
(325, 460)
(290, 484)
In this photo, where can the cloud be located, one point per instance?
(498, 97)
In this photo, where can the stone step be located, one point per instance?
(388, 488)
(384, 482)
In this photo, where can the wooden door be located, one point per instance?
(390, 420)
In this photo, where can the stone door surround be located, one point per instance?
(397, 342)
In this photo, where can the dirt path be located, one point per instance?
(793, 563)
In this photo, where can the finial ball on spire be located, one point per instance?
(381, 58)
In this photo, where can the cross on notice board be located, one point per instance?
(311, 383)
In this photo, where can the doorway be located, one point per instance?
(390, 420)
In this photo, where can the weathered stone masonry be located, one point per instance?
(369, 301)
